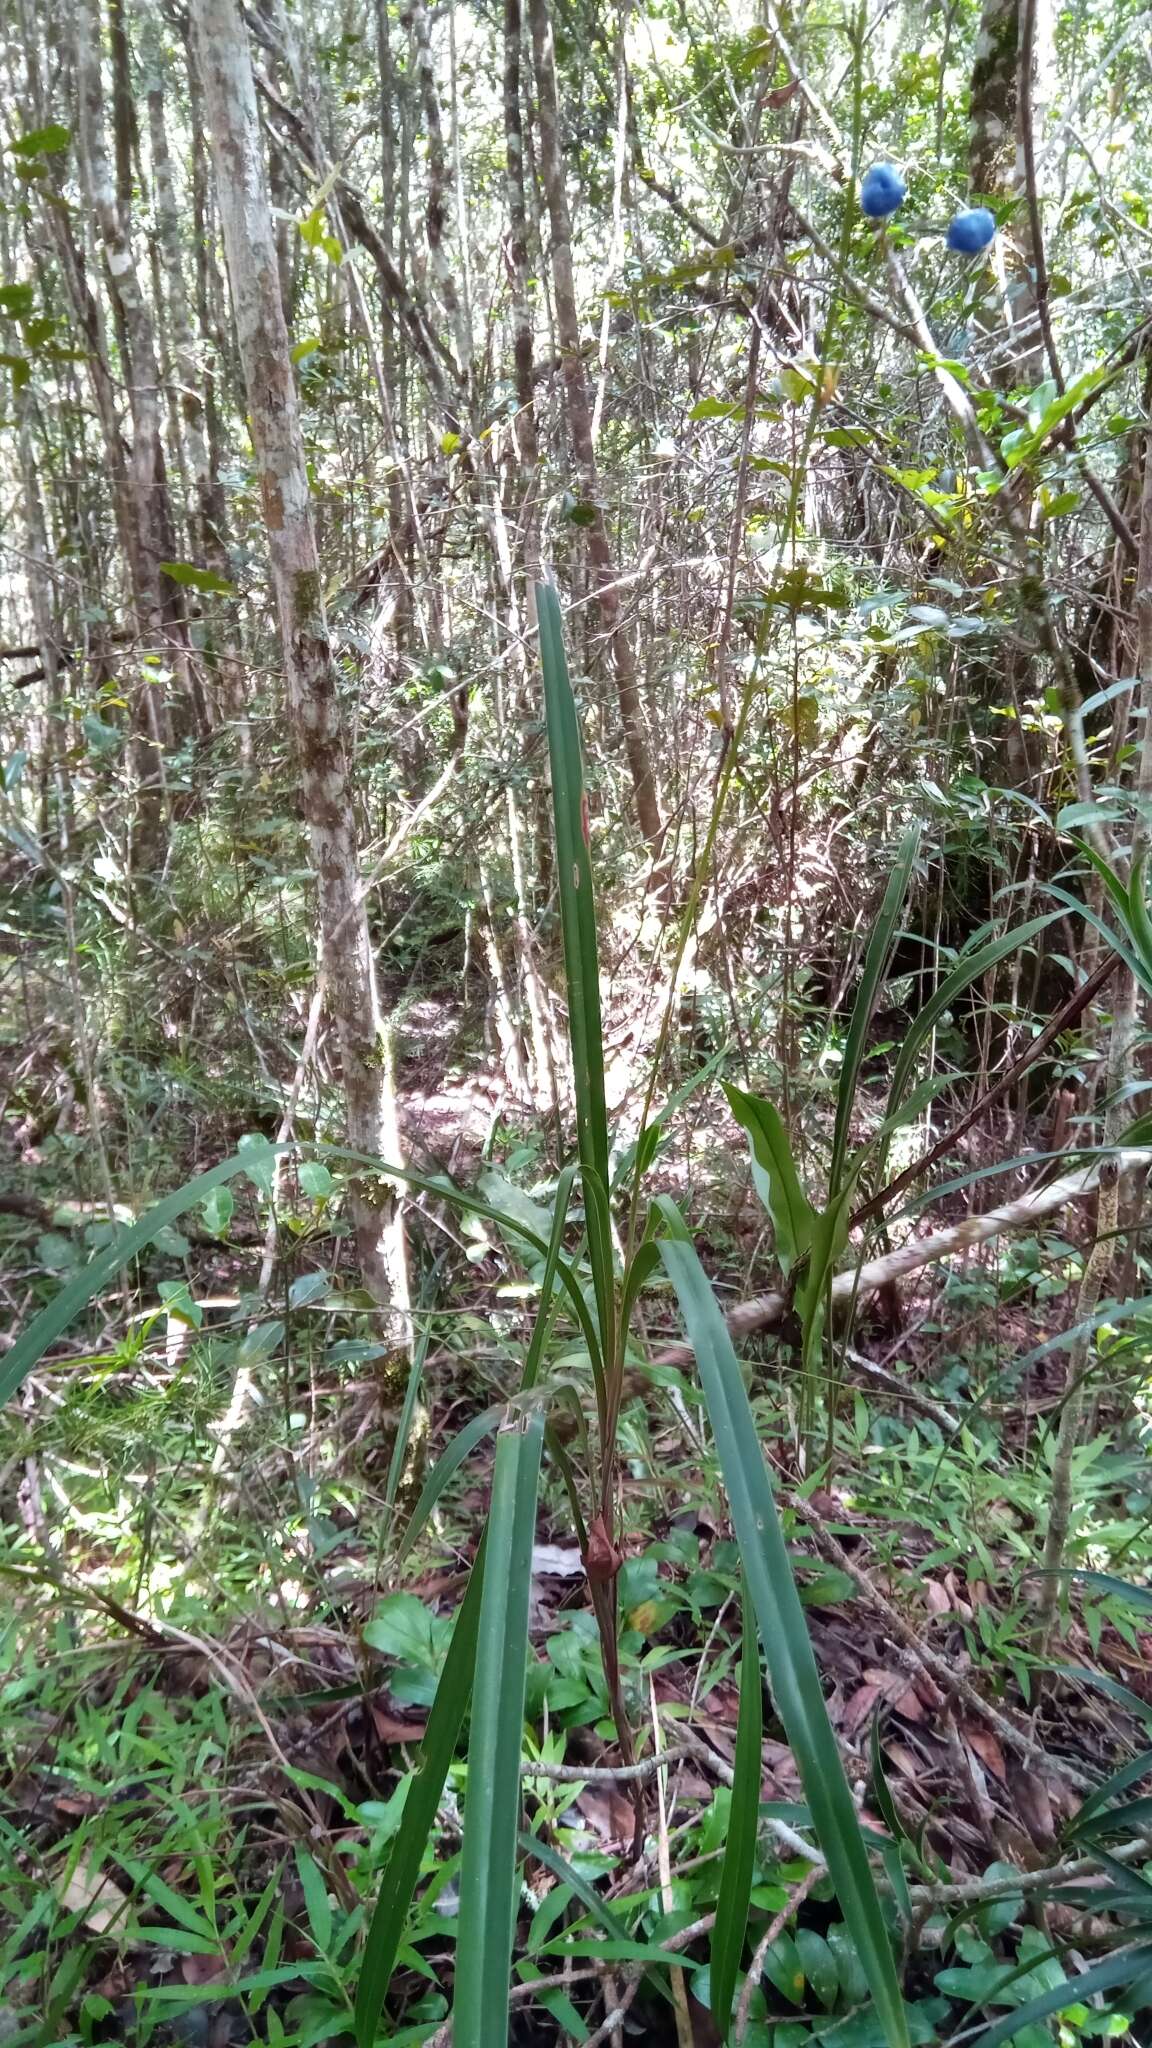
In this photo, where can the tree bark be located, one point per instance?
(141, 481)
(436, 210)
(580, 428)
(250, 248)
(517, 263)
(993, 100)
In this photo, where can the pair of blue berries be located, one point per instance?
(883, 192)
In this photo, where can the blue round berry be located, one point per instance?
(971, 231)
(882, 190)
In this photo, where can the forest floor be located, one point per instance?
(216, 1670)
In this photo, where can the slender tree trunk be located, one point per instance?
(436, 210)
(524, 430)
(207, 506)
(1117, 1114)
(993, 99)
(250, 249)
(156, 600)
(580, 428)
(40, 555)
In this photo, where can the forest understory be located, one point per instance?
(575, 975)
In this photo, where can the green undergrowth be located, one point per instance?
(338, 1669)
(208, 1743)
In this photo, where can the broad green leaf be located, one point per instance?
(308, 1287)
(258, 1158)
(178, 1301)
(218, 1211)
(261, 1341)
(197, 579)
(818, 1964)
(402, 1627)
(774, 1171)
(41, 141)
(716, 409)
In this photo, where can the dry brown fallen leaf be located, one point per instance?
(201, 1969)
(89, 1890)
(986, 1745)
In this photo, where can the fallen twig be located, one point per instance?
(773, 1931)
(606, 1774)
(860, 1283)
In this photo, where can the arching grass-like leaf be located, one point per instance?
(876, 955)
(474, 1623)
(63, 1309)
(445, 1469)
(399, 1456)
(1129, 1972)
(969, 968)
(792, 1671)
(72, 1299)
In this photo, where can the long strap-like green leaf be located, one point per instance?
(739, 1867)
(875, 962)
(492, 1803)
(436, 1753)
(574, 879)
(792, 1670)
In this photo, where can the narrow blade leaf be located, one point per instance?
(403, 1867)
(739, 1867)
(875, 961)
(792, 1670)
(574, 877)
(492, 1805)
